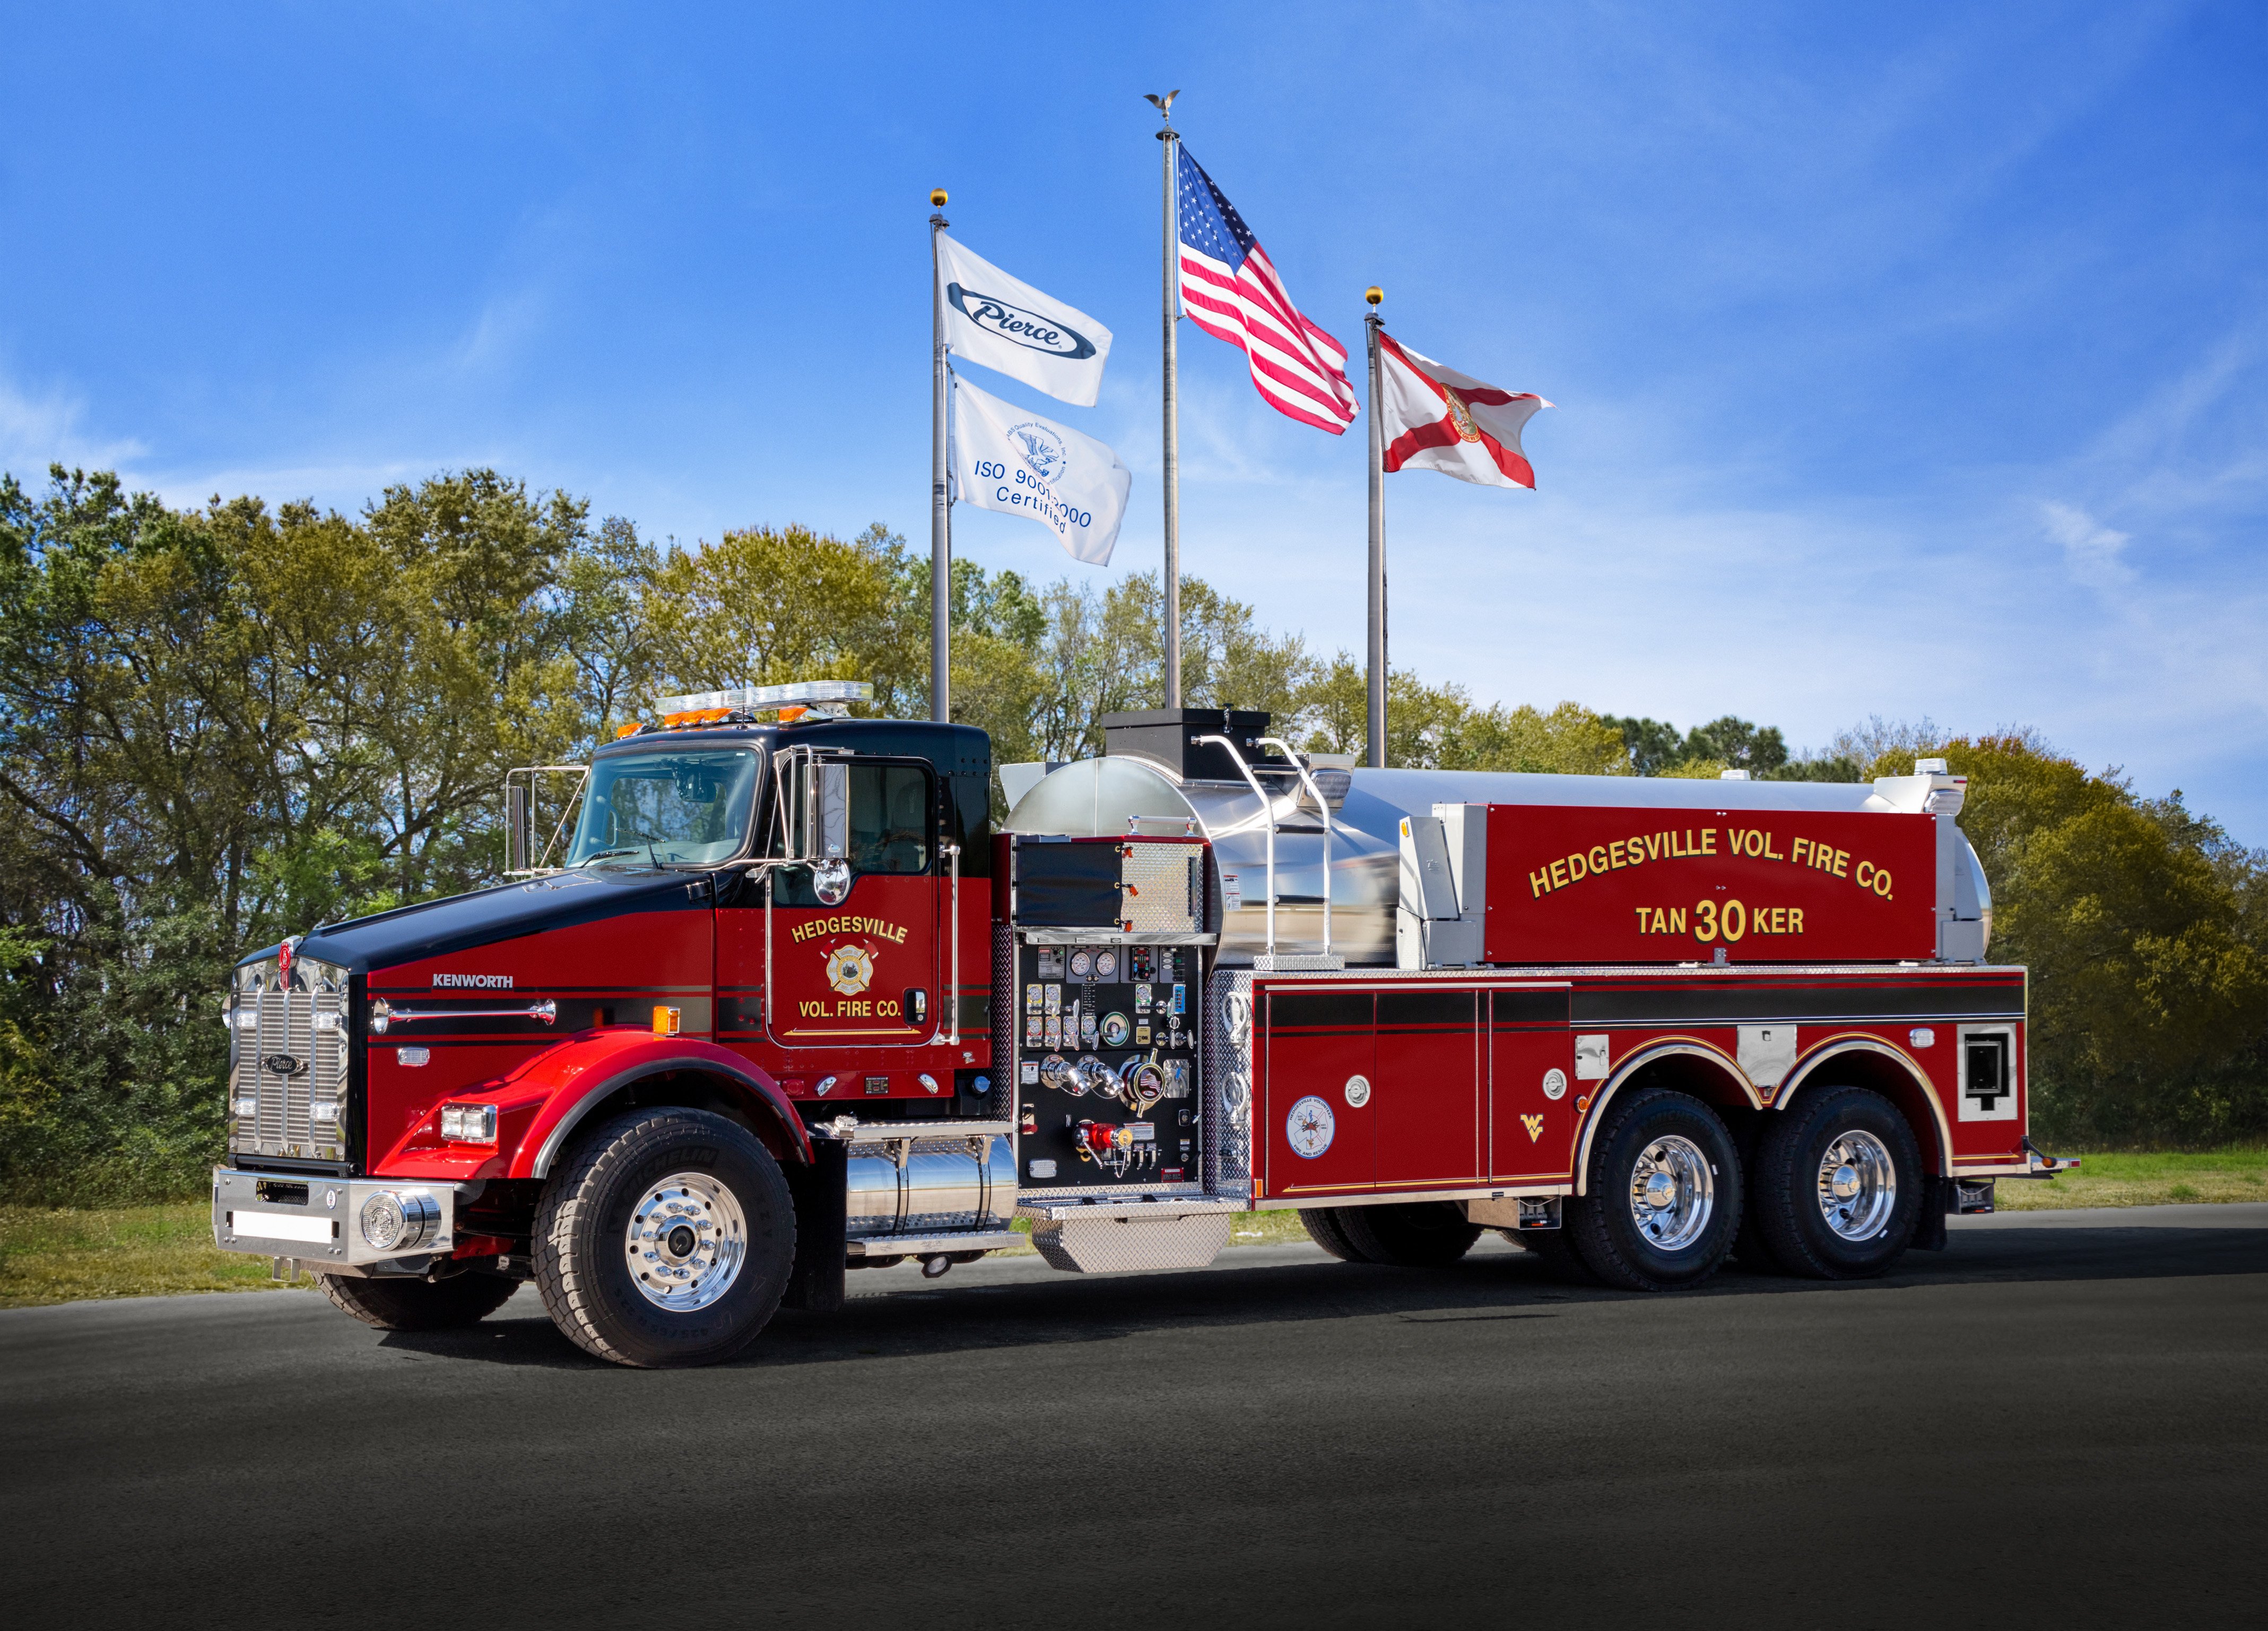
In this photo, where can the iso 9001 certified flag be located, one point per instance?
(1005, 459)
(1431, 417)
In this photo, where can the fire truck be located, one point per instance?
(778, 999)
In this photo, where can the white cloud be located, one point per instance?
(2090, 549)
(38, 431)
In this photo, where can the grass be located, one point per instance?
(66, 1254)
(2116, 1179)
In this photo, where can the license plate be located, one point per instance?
(282, 1226)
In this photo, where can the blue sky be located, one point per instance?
(1909, 359)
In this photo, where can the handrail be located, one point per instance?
(384, 1015)
(953, 991)
(1323, 809)
(1267, 809)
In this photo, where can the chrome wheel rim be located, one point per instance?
(687, 1239)
(1858, 1185)
(1672, 1193)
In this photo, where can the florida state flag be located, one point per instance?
(1432, 417)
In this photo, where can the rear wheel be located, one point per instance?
(1422, 1234)
(1322, 1223)
(666, 1240)
(1838, 1186)
(415, 1304)
(1664, 1194)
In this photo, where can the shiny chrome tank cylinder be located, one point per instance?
(904, 1181)
(1114, 796)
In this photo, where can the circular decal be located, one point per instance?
(1115, 1030)
(1555, 1084)
(850, 969)
(1357, 1091)
(1105, 965)
(1080, 962)
(1308, 1128)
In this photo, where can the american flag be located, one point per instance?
(1230, 289)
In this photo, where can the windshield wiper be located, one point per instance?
(601, 855)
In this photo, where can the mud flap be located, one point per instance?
(1929, 1227)
(820, 1192)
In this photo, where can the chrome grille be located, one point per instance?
(301, 1015)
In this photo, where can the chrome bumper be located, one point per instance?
(319, 1220)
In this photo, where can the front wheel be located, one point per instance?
(419, 1304)
(1664, 1194)
(1838, 1186)
(667, 1239)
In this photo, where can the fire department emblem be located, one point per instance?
(1309, 1127)
(850, 969)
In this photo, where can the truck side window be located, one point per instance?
(890, 819)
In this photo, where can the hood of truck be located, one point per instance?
(508, 912)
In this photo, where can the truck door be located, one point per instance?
(1531, 1076)
(863, 970)
(1425, 1088)
(1321, 1050)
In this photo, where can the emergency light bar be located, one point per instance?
(805, 694)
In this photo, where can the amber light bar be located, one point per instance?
(805, 694)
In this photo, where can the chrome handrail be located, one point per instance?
(1267, 809)
(1323, 809)
(383, 1015)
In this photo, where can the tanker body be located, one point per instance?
(783, 1004)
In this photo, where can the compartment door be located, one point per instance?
(1425, 1088)
(1531, 1086)
(1318, 1136)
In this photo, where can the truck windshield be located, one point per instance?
(687, 807)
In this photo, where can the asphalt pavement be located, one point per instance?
(2060, 1420)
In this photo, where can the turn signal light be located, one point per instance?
(470, 1124)
(666, 1021)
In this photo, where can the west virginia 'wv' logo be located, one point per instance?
(1535, 1126)
(850, 969)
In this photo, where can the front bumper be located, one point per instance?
(319, 1220)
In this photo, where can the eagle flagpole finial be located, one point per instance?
(1163, 104)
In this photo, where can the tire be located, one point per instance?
(715, 1240)
(1676, 1148)
(1849, 1218)
(407, 1304)
(1423, 1234)
(1322, 1223)
(1555, 1249)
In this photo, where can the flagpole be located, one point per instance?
(1173, 430)
(1376, 722)
(940, 503)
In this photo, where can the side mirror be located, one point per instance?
(519, 828)
(830, 783)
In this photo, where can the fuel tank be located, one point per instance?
(921, 1180)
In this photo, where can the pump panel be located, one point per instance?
(1106, 1064)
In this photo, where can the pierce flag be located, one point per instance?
(1005, 323)
(1431, 417)
(1005, 459)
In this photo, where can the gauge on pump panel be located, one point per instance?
(1105, 965)
(1081, 963)
(1115, 1028)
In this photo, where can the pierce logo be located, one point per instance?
(1012, 323)
(283, 1064)
(474, 982)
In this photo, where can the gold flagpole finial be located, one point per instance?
(936, 198)
(1374, 293)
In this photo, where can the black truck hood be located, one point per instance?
(459, 922)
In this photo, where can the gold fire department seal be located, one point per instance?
(850, 969)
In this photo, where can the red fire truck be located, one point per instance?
(778, 1000)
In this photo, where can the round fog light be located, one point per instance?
(397, 1221)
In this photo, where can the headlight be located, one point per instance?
(245, 1105)
(399, 1220)
(470, 1124)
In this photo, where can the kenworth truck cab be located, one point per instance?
(777, 1002)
